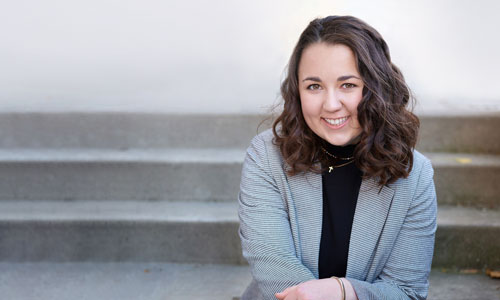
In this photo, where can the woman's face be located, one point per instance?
(330, 89)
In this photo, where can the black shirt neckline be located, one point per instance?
(340, 151)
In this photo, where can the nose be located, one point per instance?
(332, 101)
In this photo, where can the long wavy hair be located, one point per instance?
(389, 128)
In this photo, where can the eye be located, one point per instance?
(348, 85)
(313, 87)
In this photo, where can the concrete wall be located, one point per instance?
(226, 56)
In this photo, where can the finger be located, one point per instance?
(284, 293)
(281, 295)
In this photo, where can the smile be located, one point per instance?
(336, 122)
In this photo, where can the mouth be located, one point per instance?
(336, 122)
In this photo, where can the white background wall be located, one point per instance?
(227, 56)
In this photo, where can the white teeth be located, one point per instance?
(336, 121)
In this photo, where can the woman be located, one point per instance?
(334, 201)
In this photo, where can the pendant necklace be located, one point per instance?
(332, 167)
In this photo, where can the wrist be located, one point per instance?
(341, 286)
(350, 293)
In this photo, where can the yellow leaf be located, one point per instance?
(463, 160)
(493, 273)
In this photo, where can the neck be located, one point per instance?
(340, 151)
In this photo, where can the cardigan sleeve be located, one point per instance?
(405, 274)
(265, 232)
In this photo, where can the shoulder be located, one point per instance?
(262, 145)
(264, 157)
(421, 171)
(263, 139)
(418, 187)
(422, 166)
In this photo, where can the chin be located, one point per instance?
(337, 142)
(341, 144)
(341, 141)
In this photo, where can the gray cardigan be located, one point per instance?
(392, 238)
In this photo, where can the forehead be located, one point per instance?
(322, 59)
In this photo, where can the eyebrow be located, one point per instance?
(346, 77)
(341, 78)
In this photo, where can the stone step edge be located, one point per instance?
(174, 155)
(193, 155)
(177, 211)
(117, 211)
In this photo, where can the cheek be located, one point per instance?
(353, 107)
(309, 106)
(304, 106)
(354, 112)
(308, 113)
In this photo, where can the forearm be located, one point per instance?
(382, 290)
(272, 268)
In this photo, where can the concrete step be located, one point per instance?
(125, 130)
(119, 231)
(121, 281)
(460, 133)
(462, 286)
(466, 179)
(160, 281)
(467, 238)
(180, 174)
(114, 130)
(196, 175)
(113, 231)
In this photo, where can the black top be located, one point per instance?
(340, 194)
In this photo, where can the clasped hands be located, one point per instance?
(317, 289)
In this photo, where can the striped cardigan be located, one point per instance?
(392, 238)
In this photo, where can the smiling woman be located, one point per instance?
(334, 201)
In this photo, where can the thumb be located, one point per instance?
(282, 295)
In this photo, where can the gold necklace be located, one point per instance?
(330, 168)
(336, 157)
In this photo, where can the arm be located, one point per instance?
(265, 232)
(405, 274)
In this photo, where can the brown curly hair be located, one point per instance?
(389, 129)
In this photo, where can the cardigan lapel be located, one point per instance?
(307, 216)
(371, 213)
